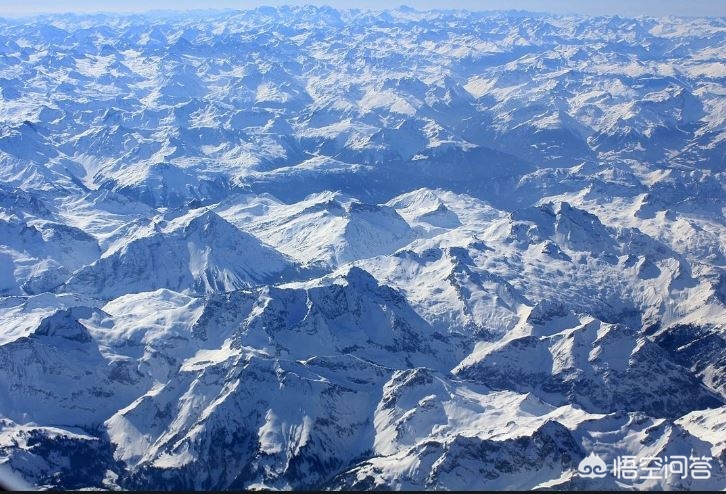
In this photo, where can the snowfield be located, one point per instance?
(308, 248)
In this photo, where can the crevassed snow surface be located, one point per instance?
(304, 248)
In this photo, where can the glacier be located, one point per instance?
(308, 248)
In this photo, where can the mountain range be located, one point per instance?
(309, 248)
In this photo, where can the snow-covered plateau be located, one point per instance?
(308, 248)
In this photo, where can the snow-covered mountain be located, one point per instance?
(198, 252)
(308, 248)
